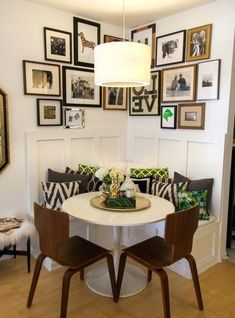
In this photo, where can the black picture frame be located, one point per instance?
(50, 108)
(168, 111)
(84, 42)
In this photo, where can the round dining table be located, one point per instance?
(81, 207)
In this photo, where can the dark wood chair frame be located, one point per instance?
(156, 253)
(75, 252)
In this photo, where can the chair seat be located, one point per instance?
(154, 252)
(76, 251)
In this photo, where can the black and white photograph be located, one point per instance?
(73, 117)
(170, 48)
(79, 88)
(57, 45)
(191, 116)
(208, 80)
(179, 84)
(145, 101)
(41, 78)
(86, 37)
(49, 112)
(114, 98)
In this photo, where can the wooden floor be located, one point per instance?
(218, 289)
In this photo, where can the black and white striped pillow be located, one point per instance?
(55, 193)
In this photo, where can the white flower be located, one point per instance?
(101, 173)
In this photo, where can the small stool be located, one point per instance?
(12, 236)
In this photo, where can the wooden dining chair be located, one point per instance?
(75, 252)
(157, 252)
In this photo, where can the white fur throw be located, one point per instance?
(14, 235)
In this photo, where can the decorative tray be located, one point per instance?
(141, 204)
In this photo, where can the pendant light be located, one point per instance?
(122, 63)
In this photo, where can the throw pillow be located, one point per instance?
(93, 184)
(148, 172)
(187, 199)
(143, 184)
(54, 176)
(86, 169)
(55, 193)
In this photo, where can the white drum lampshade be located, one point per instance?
(122, 64)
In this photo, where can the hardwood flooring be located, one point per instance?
(217, 283)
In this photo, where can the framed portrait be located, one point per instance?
(179, 84)
(57, 45)
(114, 98)
(74, 117)
(170, 48)
(168, 116)
(79, 87)
(198, 45)
(191, 116)
(208, 80)
(145, 101)
(86, 37)
(49, 112)
(146, 35)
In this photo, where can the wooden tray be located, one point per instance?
(141, 204)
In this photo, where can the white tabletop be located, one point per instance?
(79, 207)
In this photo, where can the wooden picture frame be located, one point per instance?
(168, 116)
(86, 37)
(179, 84)
(4, 132)
(198, 43)
(191, 116)
(49, 112)
(74, 117)
(208, 80)
(41, 78)
(79, 87)
(146, 35)
(57, 45)
(145, 101)
(111, 38)
(115, 98)
(170, 48)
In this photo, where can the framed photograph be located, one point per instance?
(86, 37)
(168, 116)
(57, 45)
(179, 84)
(49, 112)
(41, 78)
(191, 116)
(170, 48)
(208, 80)
(79, 87)
(198, 43)
(114, 98)
(74, 117)
(146, 35)
(145, 101)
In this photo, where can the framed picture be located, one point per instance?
(41, 78)
(170, 48)
(191, 116)
(179, 84)
(86, 37)
(145, 101)
(57, 45)
(198, 43)
(208, 80)
(79, 87)
(114, 98)
(146, 35)
(49, 112)
(73, 117)
(168, 116)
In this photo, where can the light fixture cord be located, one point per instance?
(123, 20)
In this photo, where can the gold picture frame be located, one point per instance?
(114, 98)
(191, 116)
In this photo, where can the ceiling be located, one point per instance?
(137, 12)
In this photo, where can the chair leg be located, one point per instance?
(14, 250)
(36, 273)
(196, 282)
(109, 258)
(122, 264)
(65, 291)
(165, 292)
(28, 254)
(82, 274)
(149, 275)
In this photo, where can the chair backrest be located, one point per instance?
(52, 227)
(179, 230)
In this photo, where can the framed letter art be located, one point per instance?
(86, 37)
(145, 101)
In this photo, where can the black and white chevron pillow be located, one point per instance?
(55, 193)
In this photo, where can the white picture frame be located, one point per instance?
(74, 117)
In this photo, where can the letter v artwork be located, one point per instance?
(145, 101)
